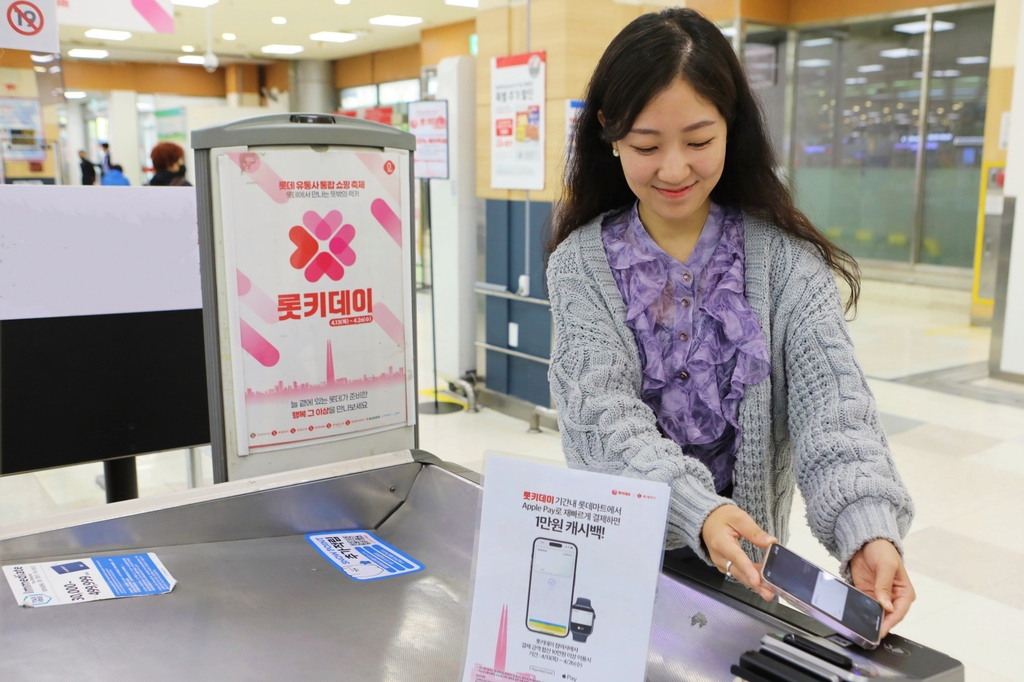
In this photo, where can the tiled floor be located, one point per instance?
(962, 458)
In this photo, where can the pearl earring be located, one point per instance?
(615, 152)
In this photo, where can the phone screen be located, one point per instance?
(582, 617)
(552, 578)
(815, 587)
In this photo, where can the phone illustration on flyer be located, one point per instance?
(552, 581)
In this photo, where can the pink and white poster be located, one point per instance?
(320, 304)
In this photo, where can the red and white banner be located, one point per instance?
(518, 96)
(428, 121)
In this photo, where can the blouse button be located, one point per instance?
(684, 375)
(683, 336)
(685, 302)
(686, 277)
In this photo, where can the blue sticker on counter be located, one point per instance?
(362, 556)
(132, 575)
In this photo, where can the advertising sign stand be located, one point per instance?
(306, 234)
(428, 121)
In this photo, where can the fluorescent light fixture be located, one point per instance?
(899, 53)
(39, 69)
(817, 42)
(280, 21)
(463, 3)
(870, 68)
(194, 3)
(918, 27)
(856, 81)
(82, 53)
(74, 94)
(966, 61)
(948, 73)
(107, 34)
(187, 48)
(282, 49)
(342, 2)
(332, 37)
(814, 63)
(395, 20)
(44, 58)
(228, 36)
(191, 59)
(54, 69)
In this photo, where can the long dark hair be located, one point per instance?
(641, 62)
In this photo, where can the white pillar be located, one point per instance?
(124, 133)
(1010, 348)
(315, 84)
(453, 223)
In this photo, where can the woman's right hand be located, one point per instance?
(722, 531)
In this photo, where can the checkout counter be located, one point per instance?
(255, 601)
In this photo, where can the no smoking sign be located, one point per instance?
(29, 25)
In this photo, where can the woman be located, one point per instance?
(168, 163)
(700, 335)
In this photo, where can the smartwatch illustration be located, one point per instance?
(581, 620)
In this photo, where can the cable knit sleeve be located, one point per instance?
(595, 380)
(843, 465)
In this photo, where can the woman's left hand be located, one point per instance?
(878, 571)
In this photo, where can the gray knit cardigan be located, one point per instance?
(813, 421)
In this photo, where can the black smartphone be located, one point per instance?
(823, 596)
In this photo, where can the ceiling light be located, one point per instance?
(899, 53)
(43, 58)
(74, 94)
(228, 36)
(191, 59)
(342, 2)
(278, 20)
(281, 49)
(194, 3)
(817, 42)
(870, 68)
(39, 69)
(959, 60)
(463, 3)
(82, 53)
(948, 73)
(814, 63)
(106, 34)
(916, 27)
(856, 81)
(395, 20)
(54, 69)
(187, 48)
(729, 31)
(332, 37)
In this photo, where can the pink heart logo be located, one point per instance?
(340, 245)
(323, 227)
(324, 264)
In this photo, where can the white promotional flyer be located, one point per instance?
(72, 581)
(518, 95)
(320, 303)
(566, 570)
(428, 121)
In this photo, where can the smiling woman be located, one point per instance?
(699, 331)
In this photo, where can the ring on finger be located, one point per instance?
(728, 569)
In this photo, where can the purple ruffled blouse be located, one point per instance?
(700, 342)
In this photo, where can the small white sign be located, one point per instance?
(69, 581)
(362, 555)
(142, 16)
(518, 88)
(428, 121)
(29, 25)
(567, 563)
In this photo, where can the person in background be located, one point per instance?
(115, 177)
(168, 161)
(105, 161)
(88, 169)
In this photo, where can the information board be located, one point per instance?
(428, 121)
(518, 91)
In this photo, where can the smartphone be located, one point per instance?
(823, 596)
(552, 581)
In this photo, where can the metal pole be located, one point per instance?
(425, 190)
(922, 139)
(789, 117)
(120, 479)
(524, 286)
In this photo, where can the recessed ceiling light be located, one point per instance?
(187, 48)
(899, 53)
(916, 27)
(870, 68)
(54, 69)
(278, 20)
(82, 53)
(106, 34)
(814, 63)
(959, 60)
(395, 20)
(332, 37)
(44, 58)
(281, 49)
(816, 42)
(342, 2)
(860, 80)
(463, 3)
(191, 59)
(74, 94)
(194, 3)
(39, 69)
(228, 36)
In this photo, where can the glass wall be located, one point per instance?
(857, 112)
